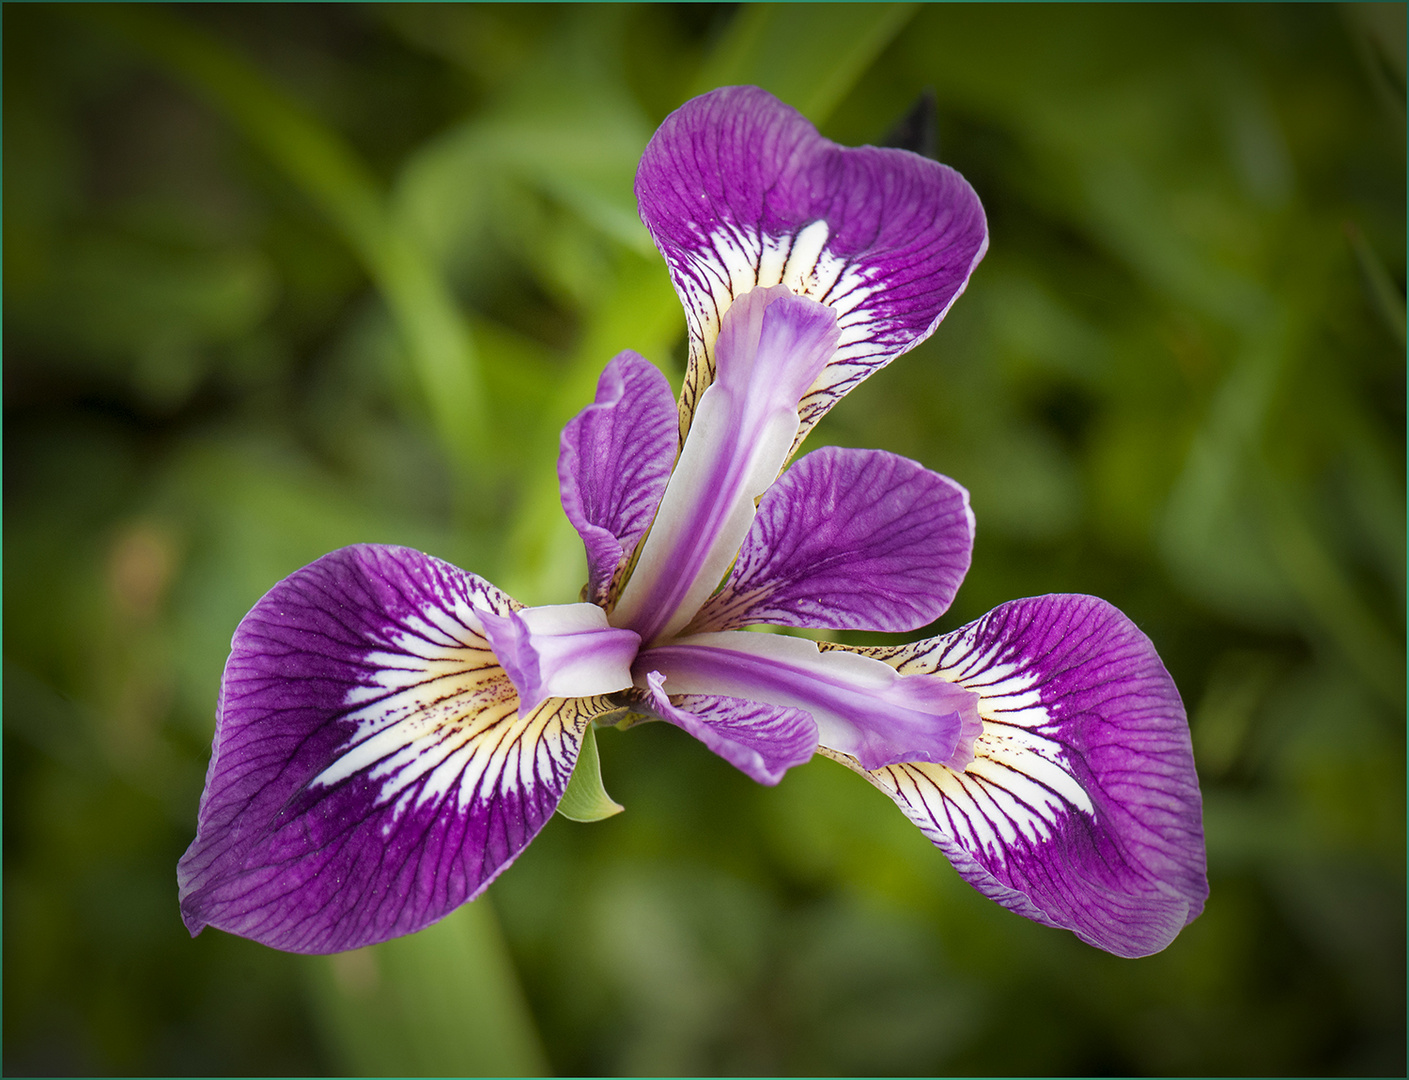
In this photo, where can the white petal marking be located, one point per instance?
(1018, 789)
(776, 252)
(439, 720)
(736, 261)
(807, 248)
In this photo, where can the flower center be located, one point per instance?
(771, 348)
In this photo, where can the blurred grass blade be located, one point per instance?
(1385, 296)
(809, 55)
(443, 1002)
(568, 126)
(585, 798)
(1212, 537)
(329, 172)
(1378, 33)
(1330, 597)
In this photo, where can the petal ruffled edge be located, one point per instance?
(370, 771)
(1082, 808)
(614, 461)
(762, 741)
(738, 190)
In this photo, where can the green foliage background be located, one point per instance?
(279, 279)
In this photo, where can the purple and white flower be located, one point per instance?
(392, 731)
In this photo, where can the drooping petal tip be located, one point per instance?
(1081, 808)
(560, 650)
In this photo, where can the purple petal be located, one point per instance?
(1082, 808)
(760, 740)
(615, 458)
(860, 705)
(849, 540)
(738, 190)
(772, 345)
(371, 771)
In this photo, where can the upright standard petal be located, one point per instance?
(739, 191)
(849, 540)
(1081, 808)
(615, 458)
(371, 769)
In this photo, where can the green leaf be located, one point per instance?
(1385, 296)
(585, 798)
(331, 174)
(443, 1002)
(809, 55)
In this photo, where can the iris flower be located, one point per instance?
(392, 731)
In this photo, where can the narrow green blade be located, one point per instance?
(809, 55)
(443, 1002)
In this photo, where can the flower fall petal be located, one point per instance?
(371, 769)
(739, 191)
(1081, 808)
